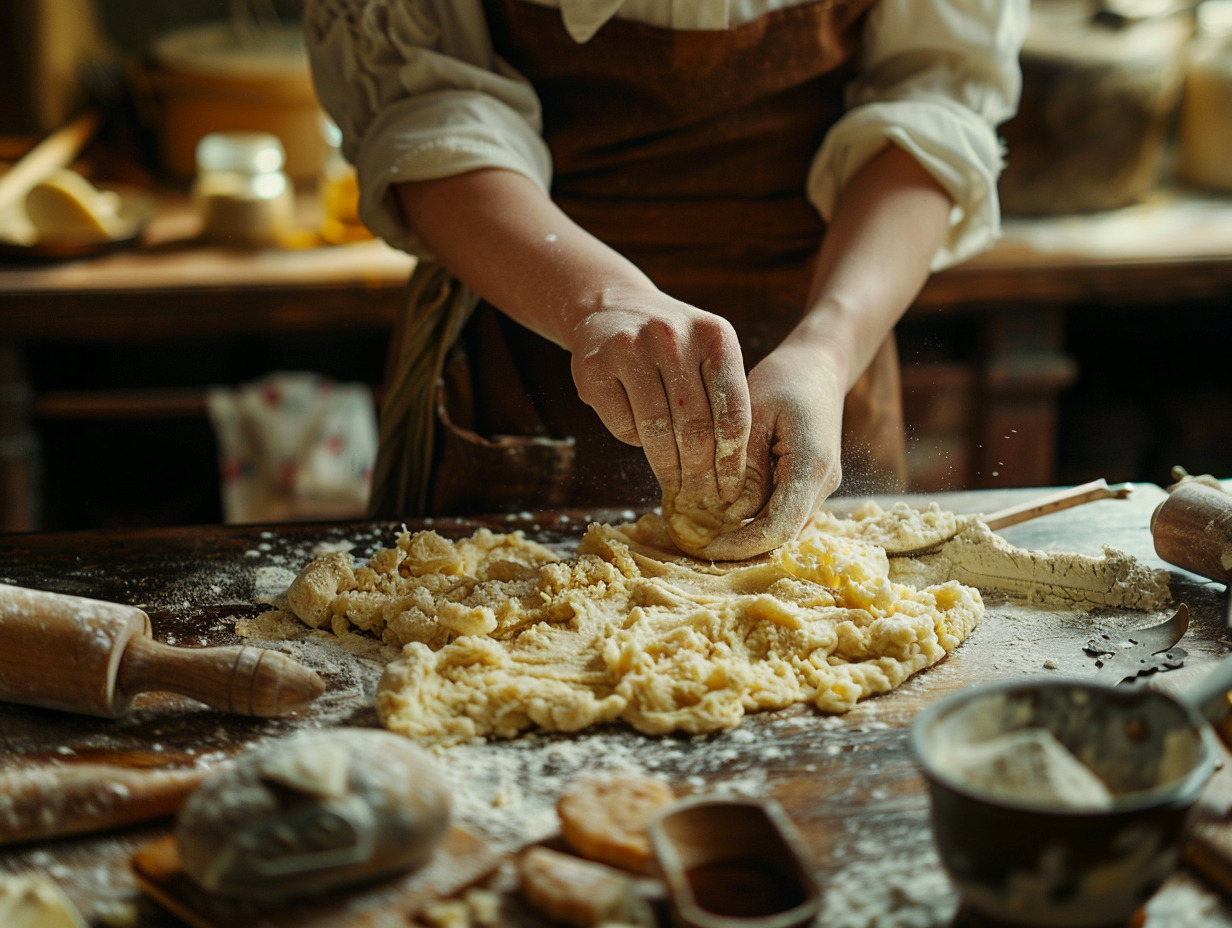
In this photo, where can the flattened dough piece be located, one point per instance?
(576, 892)
(605, 819)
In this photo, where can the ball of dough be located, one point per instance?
(313, 812)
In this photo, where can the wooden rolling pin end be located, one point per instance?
(1192, 529)
(243, 680)
(272, 684)
(62, 652)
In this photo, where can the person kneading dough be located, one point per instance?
(662, 247)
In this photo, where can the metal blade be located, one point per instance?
(1144, 651)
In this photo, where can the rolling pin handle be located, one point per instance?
(243, 680)
(266, 683)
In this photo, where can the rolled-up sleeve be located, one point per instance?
(936, 77)
(419, 94)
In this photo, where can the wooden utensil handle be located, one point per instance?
(50, 801)
(243, 680)
(1064, 499)
(56, 151)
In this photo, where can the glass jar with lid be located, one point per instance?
(241, 192)
(339, 191)
(1204, 131)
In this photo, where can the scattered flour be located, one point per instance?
(876, 875)
(889, 892)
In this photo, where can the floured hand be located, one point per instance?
(668, 377)
(793, 454)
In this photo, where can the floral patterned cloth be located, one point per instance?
(294, 446)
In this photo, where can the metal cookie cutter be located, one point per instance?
(733, 863)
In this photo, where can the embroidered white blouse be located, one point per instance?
(419, 94)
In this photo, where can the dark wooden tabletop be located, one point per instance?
(849, 783)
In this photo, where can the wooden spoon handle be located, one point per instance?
(243, 680)
(1055, 502)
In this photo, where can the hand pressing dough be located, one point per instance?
(693, 522)
(313, 812)
(605, 819)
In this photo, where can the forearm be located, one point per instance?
(498, 233)
(887, 225)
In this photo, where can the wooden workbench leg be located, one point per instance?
(1023, 369)
(19, 484)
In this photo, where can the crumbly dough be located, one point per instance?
(898, 529)
(500, 635)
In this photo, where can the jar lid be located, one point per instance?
(242, 152)
(1214, 18)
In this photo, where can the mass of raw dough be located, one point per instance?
(313, 812)
(500, 635)
(692, 524)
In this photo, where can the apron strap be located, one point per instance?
(436, 310)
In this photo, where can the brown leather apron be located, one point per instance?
(687, 152)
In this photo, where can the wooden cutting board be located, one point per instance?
(461, 861)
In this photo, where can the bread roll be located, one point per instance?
(313, 812)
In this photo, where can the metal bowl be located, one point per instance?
(1020, 860)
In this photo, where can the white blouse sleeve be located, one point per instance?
(419, 94)
(935, 77)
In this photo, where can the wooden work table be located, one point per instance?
(849, 783)
(1175, 247)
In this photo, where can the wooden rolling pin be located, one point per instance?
(1192, 529)
(54, 800)
(89, 656)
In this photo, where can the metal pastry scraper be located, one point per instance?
(1141, 652)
